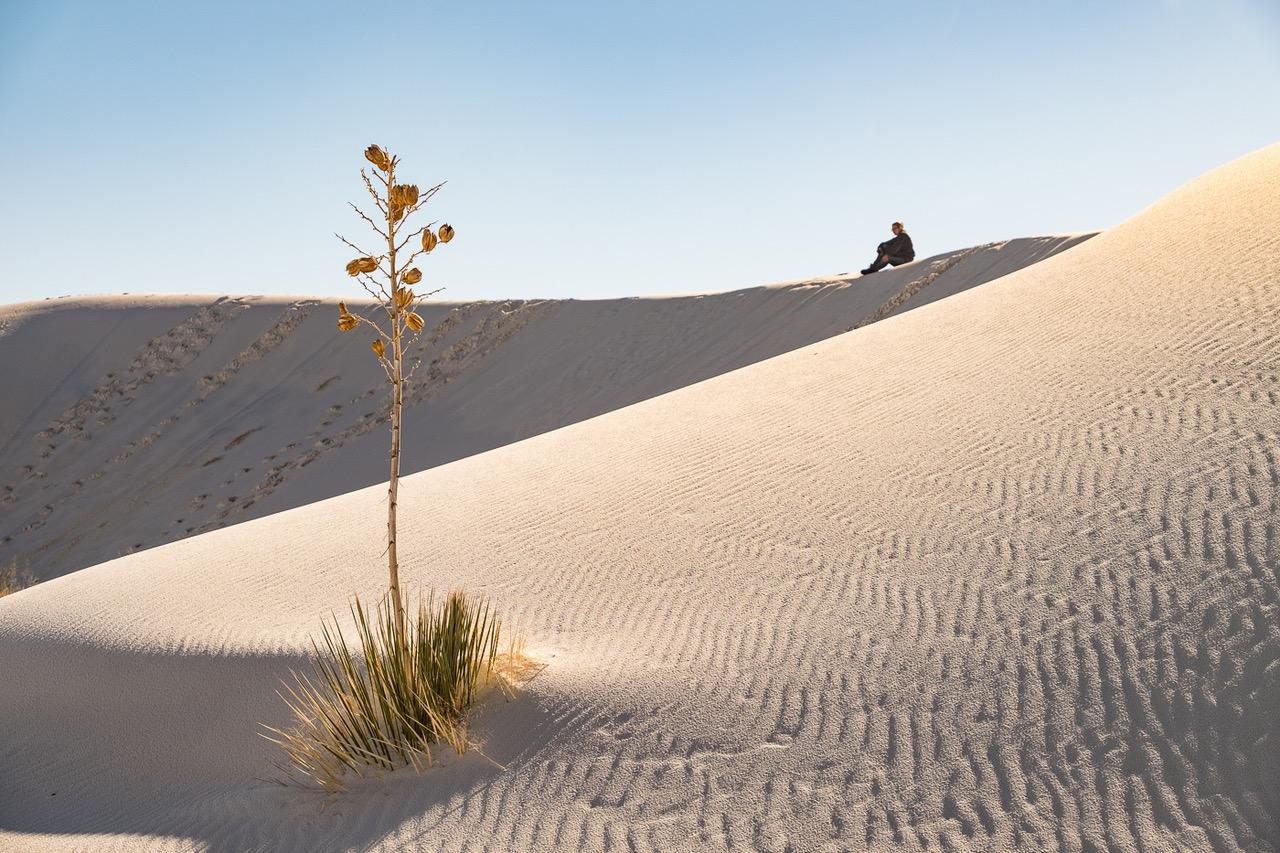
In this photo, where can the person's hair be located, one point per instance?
(897, 225)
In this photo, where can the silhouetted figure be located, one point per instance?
(893, 252)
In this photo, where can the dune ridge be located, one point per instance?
(997, 573)
(199, 412)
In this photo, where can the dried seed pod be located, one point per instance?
(446, 233)
(378, 157)
(404, 298)
(414, 321)
(397, 212)
(360, 265)
(378, 349)
(413, 275)
(428, 240)
(346, 320)
(405, 195)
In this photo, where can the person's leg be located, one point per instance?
(876, 265)
(897, 262)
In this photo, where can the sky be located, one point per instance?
(598, 149)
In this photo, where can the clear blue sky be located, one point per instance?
(599, 149)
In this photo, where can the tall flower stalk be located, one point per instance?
(389, 276)
(410, 681)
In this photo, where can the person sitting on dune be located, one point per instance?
(893, 252)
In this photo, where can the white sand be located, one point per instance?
(136, 421)
(997, 573)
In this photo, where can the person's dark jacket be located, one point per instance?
(898, 247)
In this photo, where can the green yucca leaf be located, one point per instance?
(405, 689)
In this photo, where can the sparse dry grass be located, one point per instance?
(405, 689)
(13, 579)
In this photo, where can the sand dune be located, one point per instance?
(999, 573)
(136, 421)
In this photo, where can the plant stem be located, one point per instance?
(393, 485)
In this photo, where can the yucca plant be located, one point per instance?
(408, 683)
(387, 702)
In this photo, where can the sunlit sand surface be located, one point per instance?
(998, 572)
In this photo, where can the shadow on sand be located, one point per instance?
(170, 746)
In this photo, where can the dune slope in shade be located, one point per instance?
(136, 421)
(1000, 573)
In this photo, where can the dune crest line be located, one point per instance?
(194, 374)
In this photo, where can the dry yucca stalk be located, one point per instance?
(389, 275)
